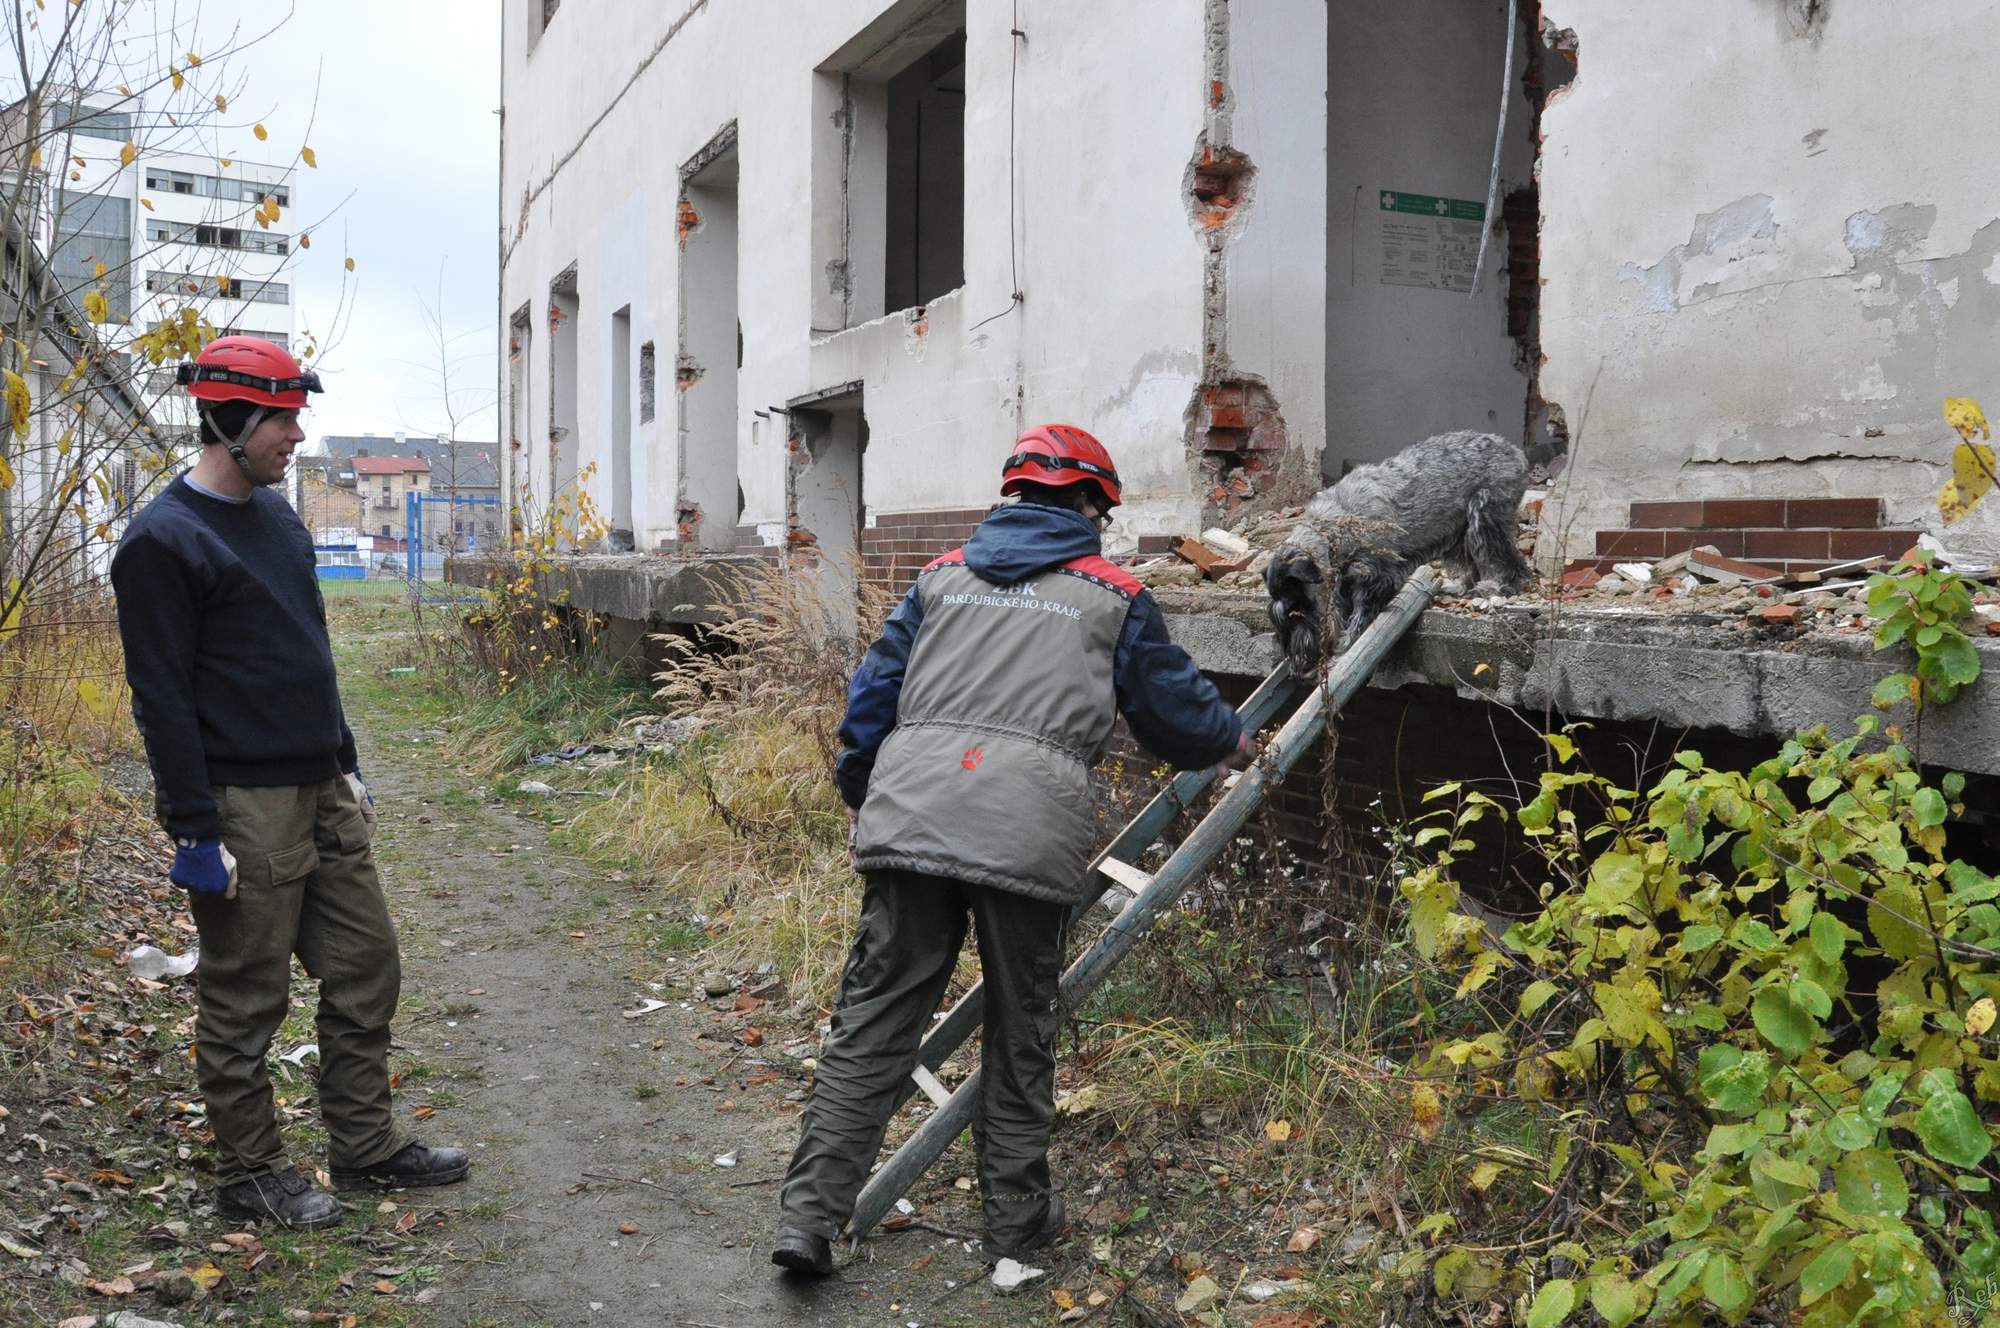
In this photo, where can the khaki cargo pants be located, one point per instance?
(306, 886)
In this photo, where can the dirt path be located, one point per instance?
(516, 969)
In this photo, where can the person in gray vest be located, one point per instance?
(971, 726)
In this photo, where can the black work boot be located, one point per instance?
(1052, 1226)
(802, 1252)
(415, 1165)
(284, 1196)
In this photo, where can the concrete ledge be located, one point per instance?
(642, 591)
(1688, 671)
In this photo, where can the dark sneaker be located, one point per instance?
(1052, 1226)
(415, 1165)
(283, 1196)
(802, 1252)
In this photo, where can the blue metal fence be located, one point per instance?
(417, 559)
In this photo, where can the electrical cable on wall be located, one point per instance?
(1013, 261)
(1499, 141)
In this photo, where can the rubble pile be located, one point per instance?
(1230, 559)
(1701, 581)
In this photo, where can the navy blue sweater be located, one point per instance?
(1173, 711)
(227, 652)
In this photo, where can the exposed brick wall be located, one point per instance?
(748, 541)
(1394, 746)
(1785, 534)
(901, 544)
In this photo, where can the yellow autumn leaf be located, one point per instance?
(6, 477)
(179, 82)
(1426, 1110)
(95, 307)
(1980, 1017)
(350, 265)
(128, 154)
(146, 203)
(1278, 1131)
(207, 1274)
(103, 530)
(306, 155)
(305, 241)
(1063, 1299)
(261, 132)
(223, 162)
(99, 274)
(194, 60)
(1964, 415)
(63, 443)
(1483, 1176)
(94, 698)
(124, 91)
(221, 102)
(1973, 470)
(35, 160)
(19, 405)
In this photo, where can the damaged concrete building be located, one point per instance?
(788, 280)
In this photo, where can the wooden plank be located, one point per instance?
(933, 1089)
(1347, 675)
(1125, 874)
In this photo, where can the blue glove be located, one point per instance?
(203, 867)
(361, 794)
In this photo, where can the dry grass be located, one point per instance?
(67, 713)
(743, 824)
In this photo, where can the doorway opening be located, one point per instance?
(828, 442)
(711, 351)
(1417, 341)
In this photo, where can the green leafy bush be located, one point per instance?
(1917, 603)
(1763, 1004)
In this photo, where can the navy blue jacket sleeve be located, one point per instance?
(872, 698)
(157, 617)
(1175, 713)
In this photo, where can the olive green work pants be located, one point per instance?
(905, 948)
(306, 886)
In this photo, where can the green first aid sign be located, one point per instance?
(1427, 205)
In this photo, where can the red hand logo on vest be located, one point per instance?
(973, 756)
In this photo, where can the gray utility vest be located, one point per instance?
(1007, 700)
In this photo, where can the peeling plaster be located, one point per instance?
(1741, 232)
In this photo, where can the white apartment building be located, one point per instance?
(780, 274)
(172, 230)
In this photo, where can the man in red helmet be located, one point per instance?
(256, 779)
(971, 726)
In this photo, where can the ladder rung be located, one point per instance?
(1125, 874)
(928, 1082)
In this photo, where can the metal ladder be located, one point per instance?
(1138, 897)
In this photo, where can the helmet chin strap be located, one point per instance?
(236, 444)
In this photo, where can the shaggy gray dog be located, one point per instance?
(1456, 496)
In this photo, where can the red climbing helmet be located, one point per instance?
(1059, 455)
(248, 369)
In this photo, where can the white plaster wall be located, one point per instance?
(1773, 248)
(1276, 99)
(1413, 91)
(1108, 336)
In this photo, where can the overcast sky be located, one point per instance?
(406, 123)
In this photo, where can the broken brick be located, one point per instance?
(1582, 578)
(1198, 553)
(1779, 613)
(1706, 562)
